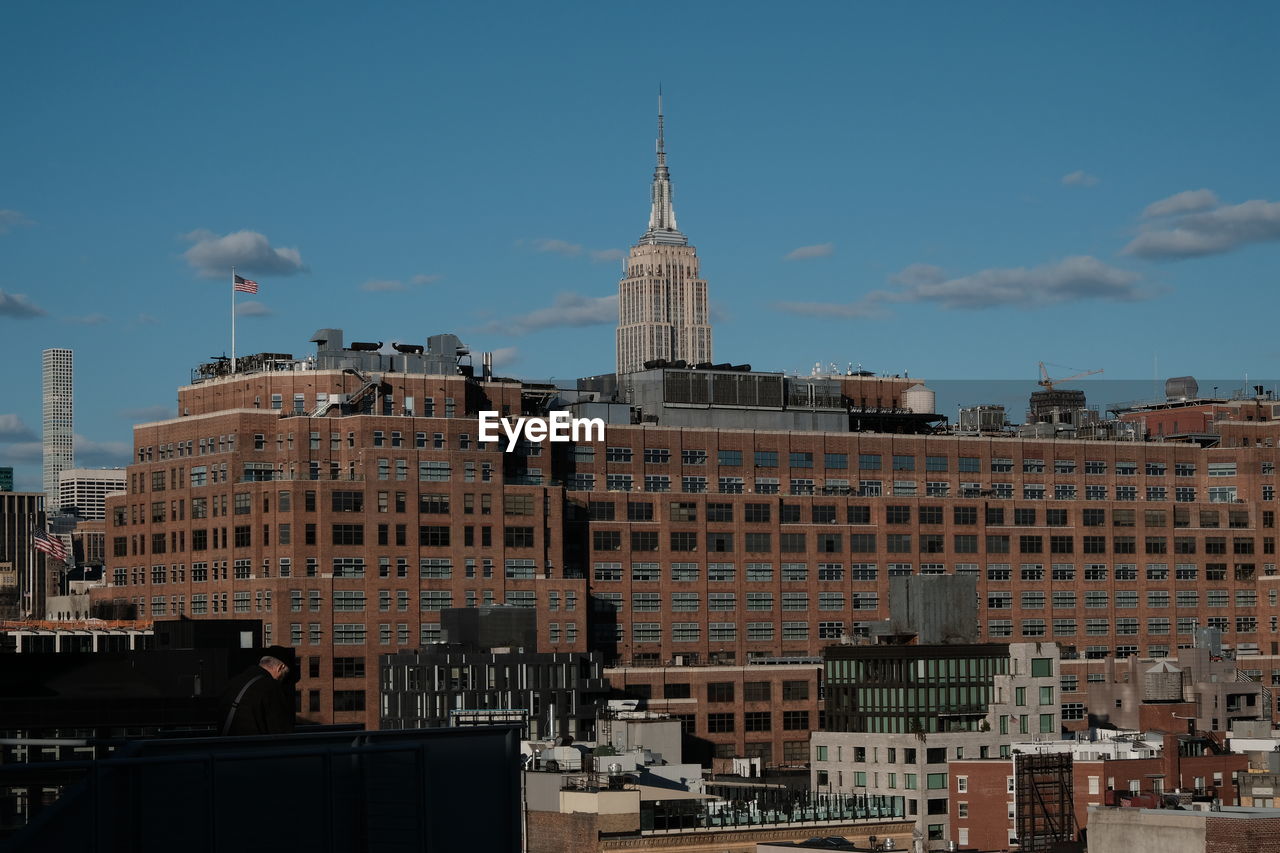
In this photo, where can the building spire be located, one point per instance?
(662, 148)
(662, 215)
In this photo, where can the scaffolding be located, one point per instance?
(1044, 800)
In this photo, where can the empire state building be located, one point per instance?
(662, 303)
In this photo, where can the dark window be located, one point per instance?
(348, 700)
(897, 514)
(348, 534)
(642, 540)
(684, 541)
(720, 691)
(348, 501)
(433, 504)
(435, 535)
(720, 542)
(601, 510)
(719, 723)
(517, 537)
(795, 690)
(862, 543)
(639, 511)
(606, 540)
(756, 513)
(795, 720)
(348, 668)
(719, 512)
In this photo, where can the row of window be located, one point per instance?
(691, 632)
(1122, 599)
(992, 516)
(924, 543)
(909, 462)
(1155, 625)
(731, 485)
(691, 602)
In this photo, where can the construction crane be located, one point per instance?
(1047, 383)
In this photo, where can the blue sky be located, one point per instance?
(954, 190)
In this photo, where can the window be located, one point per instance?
(730, 458)
(684, 541)
(720, 723)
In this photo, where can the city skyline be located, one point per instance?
(862, 189)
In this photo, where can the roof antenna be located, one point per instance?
(662, 153)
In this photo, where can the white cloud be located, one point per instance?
(248, 251)
(1069, 280)
(12, 428)
(1188, 201)
(567, 310)
(574, 250)
(19, 306)
(831, 309)
(804, 253)
(1079, 178)
(559, 247)
(1210, 233)
(253, 309)
(102, 453)
(382, 285)
(918, 275)
(22, 451)
(146, 414)
(505, 356)
(12, 219)
(90, 319)
(385, 285)
(1073, 279)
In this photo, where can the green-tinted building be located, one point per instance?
(911, 688)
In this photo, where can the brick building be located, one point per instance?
(898, 716)
(345, 499)
(1230, 830)
(983, 804)
(765, 709)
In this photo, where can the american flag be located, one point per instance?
(49, 544)
(244, 285)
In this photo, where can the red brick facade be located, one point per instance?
(1104, 547)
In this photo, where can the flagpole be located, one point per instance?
(233, 321)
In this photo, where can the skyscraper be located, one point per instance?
(58, 435)
(662, 303)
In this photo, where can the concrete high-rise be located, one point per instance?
(662, 302)
(59, 412)
(84, 491)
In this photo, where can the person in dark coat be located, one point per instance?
(255, 702)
